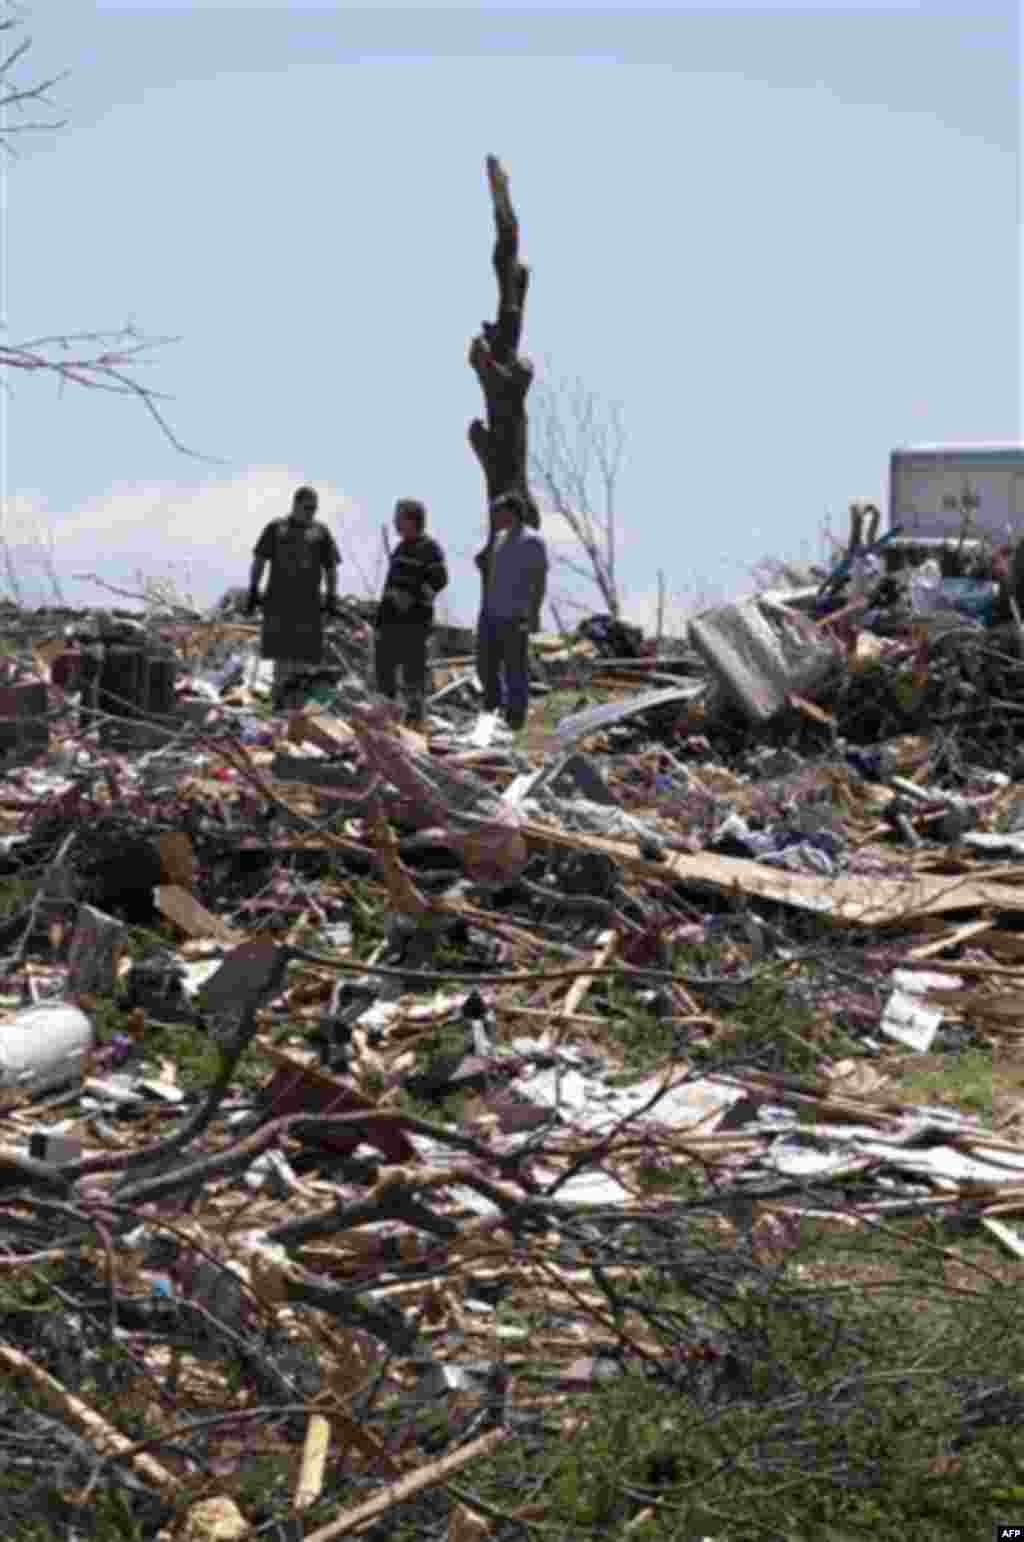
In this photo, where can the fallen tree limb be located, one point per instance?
(407, 1488)
(533, 976)
(108, 1441)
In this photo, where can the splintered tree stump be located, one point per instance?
(500, 443)
(96, 949)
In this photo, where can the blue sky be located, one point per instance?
(784, 240)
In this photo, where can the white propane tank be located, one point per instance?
(44, 1046)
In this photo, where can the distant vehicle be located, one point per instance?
(946, 492)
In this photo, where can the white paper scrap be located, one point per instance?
(907, 1017)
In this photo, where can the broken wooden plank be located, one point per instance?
(950, 940)
(811, 710)
(606, 945)
(180, 907)
(331, 734)
(177, 858)
(314, 1458)
(851, 898)
(1010, 1239)
(966, 966)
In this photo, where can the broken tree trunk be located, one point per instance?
(96, 949)
(505, 378)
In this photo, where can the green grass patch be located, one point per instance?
(772, 1025)
(857, 1412)
(965, 1081)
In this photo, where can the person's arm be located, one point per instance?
(330, 558)
(263, 551)
(538, 582)
(435, 573)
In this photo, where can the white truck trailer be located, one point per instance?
(941, 492)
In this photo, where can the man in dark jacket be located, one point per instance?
(416, 575)
(300, 552)
(514, 568)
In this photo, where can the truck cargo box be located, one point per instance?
(939, 492)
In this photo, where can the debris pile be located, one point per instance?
(371, 1100)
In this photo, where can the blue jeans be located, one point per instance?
(501, 662)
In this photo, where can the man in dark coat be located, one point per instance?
(300, 552)
(416, 575)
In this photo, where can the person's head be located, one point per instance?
(304, 505)
(410, 518)
(508, 510)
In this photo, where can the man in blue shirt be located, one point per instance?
(515, 573)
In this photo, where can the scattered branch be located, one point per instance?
(17, 97)
(99, 361)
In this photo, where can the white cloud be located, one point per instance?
(556, 530)
(641, 607)
(201, 533)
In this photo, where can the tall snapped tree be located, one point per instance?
(500, 441)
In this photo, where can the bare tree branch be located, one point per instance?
(370, 577)
(12, 95)
(101, 361)
(98, 361)
(581, 569)
(576, 453)
(11, 571)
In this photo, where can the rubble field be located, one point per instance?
(615, 1130)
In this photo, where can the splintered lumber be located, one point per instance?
(332, 735)
(177, 858)
(314, 1458)
(326, 733)
(1010, 1239)
(950, 940)
(180, 907)
(104, 1436)
(606, 945)
(852, 898)
(406, 1488)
